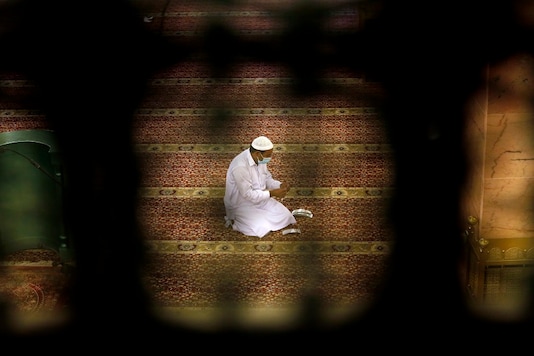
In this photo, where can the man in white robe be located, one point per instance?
(249, 199)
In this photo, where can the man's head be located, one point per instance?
(261, 149)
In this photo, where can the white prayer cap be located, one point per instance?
(262, 143)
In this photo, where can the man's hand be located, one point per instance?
(280, 192)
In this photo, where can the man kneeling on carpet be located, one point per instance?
(249, 199)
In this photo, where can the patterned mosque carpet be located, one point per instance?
(330, 146)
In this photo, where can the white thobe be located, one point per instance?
(247, 200)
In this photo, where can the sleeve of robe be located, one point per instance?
(245, 187)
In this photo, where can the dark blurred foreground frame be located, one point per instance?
(429, 57)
